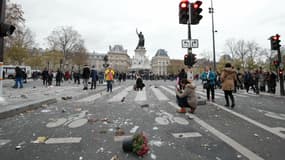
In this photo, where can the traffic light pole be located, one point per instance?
(189, 32)
(281, 76)
(2, 18)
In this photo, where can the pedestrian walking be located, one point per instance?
(85, 76)
(58, 77)
(45, 77)
(139, 83)
(109, 77)
(208, 78)
(186, 97)
(94, 77)
(18, 78)
(228, 77)
(272, 82)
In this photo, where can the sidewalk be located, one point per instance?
(35, 95)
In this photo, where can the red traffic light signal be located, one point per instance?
(275, 42)
(281, 70)
(195, 12)
(186, 60)
(183, 12)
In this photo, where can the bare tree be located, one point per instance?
(231, 47)
(241, 51)
(253, 53)
(66, 40)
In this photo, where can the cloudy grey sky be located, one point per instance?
(108, 22)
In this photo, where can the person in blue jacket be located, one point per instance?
(208, 78)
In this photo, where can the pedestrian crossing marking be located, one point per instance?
(159, 95)
(4, 141)
(96, 96)
(63, 140)
(187, 135)
(118, 97)
(168, 90)
(141, 95)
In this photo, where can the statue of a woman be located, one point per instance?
(141, 39)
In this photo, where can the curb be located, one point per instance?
(16, 109)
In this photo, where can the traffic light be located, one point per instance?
(281, 71)
(275, 42)
(6, 29)
(192, 59)
(276, 63)
(186, 60)
(195, 12)
(183, 12)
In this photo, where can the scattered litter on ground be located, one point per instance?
(119, 132)
(134, 129)
(92, 119)
(41, 139)
(45, 110)
(239, 156)
(156, 143)
(101, 150)
(19, 146)
(152, 156)
(218, 158)
(24, 96)
(63, 110)
(115, 157)
(256, 135)
(66, 98)
(106, 120)
(80, 158)
(78, 109)
(123, 99)
(44, 105)
(155, 128)
(103, 132)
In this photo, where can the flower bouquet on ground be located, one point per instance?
(137, 144)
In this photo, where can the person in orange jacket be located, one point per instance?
(109, 77)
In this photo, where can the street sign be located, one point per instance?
(193, 43)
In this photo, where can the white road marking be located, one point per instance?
(120, 95)
(159, 95)
(168, 90)
(243, 150)
(204, 93)
(276, 130)
(4, 141)
(63, 140)
(121, 138)
(187, 135)
(141, 95)
(96, 96)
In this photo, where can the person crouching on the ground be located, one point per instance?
(139, 83)
(186, 97)
(228, 77)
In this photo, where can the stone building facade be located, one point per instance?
(118, 58)
(160, 63)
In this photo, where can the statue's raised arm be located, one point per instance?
(141, 39)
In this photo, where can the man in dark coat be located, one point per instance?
(94, 77)
(85, 76)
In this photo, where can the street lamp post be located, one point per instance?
(211, 11)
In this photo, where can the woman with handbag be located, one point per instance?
(209, 79)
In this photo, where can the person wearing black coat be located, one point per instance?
(85, 76)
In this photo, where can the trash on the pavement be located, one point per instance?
(106, 120)
(78, 109)
(256, 135)
(134, 129)
(144, 105)
(34, 87)
(239, 156)
(18, 147)
(152, 156)
(119, 132)
(103, 132)
(218, 158)
(156, 143)
(100, 150)
(63, 110)
(154, 128)
(92, 119)
(45, 110)
(123, 99)
(44, 105)
(24, 96)
(41, 139)
(80, 158)
(115, 157)
(66, 98)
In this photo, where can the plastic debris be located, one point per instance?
(45, 110)
(134, 129)
(115, 157)
(24, 96)
(78, 109)
(66, 98)
(92, 119)
(123, 99)
(218, 158)
(239, 156)
(154, 128)
(41, 139)
(18, 147)
(153, 156)
(256, 135)
(63, 110)
(100, 150)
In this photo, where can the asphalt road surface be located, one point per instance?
(92, 126)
